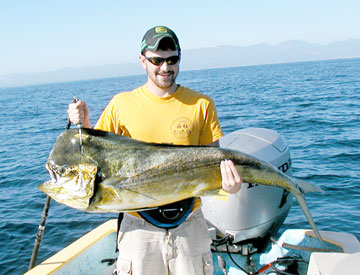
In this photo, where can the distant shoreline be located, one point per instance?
(198, 59)
(184, 70)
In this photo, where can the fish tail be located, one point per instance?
(307, 187)
(301, 200)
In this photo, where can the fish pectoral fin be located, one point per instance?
(118, 183)
(113, 181)
(307, 187)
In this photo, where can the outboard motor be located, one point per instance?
(256, 210)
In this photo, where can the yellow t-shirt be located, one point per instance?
(184, 118)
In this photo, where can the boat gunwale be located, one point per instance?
(74, 249)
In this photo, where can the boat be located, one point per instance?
(94, 253)
(245, 240)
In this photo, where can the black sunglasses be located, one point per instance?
(157, 61)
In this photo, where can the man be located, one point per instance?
(172, 239)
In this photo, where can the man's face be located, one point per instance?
(163, 75)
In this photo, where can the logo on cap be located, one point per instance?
(161, 29)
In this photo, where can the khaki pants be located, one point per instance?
(147, 249)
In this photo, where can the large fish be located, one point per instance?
(115, 173)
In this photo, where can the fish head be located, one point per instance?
(72, 185)
(73, 175)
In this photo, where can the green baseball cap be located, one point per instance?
(153, 37)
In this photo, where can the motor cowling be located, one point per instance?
(256, 210)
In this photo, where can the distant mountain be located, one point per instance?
(205, 58)
(290, 51)
(71, 74)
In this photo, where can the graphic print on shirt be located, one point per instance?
(181, 127)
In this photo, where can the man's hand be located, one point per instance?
(231, 179)
(79, 113)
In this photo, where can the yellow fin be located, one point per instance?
(222, 195)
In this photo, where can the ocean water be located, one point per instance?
(315, 106)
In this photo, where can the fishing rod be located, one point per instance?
(44, 215)
(40, 232)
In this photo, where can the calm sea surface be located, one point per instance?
(315, 106)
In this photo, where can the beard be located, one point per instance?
(159, 81)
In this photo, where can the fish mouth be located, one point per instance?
(55, 171)
(73, 186)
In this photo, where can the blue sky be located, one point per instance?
(38, 36)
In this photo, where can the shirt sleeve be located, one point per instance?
(211, 131)
(107, 120)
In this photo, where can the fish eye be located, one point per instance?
(62, 170)
(100, 176)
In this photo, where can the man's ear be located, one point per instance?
(142, 60)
